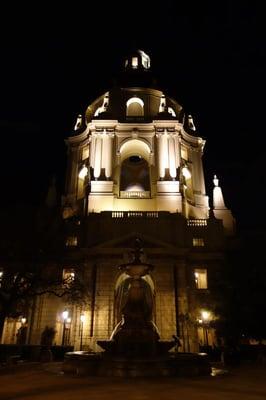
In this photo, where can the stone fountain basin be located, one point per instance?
(102, 364)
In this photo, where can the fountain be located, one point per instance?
(135, 348)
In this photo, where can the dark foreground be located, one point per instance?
(47, 382)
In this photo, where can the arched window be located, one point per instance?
(135, 107)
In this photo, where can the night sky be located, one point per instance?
(210, 56)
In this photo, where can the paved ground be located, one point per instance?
(47, 383)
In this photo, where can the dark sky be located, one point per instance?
(210, 56)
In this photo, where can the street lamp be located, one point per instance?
(196, 274)
(65, 318)
(82, 319)
(23, 320)
(205, 320)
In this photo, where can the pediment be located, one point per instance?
(128, 242)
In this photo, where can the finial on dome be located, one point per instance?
(215, 181)
(78, 123)
(191, 124)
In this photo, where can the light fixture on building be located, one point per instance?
(83, 172)
(23, 320)
(1, 274)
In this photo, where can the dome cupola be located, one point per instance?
(138, 60)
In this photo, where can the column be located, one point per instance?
(92, 150)
(104, 154)
(108, 155)
(161, 169)
(98, 157)
(177, 150)
(172, 160)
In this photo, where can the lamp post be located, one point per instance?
(82, 319)
(196, 275)
(65, 318)
(205, 319)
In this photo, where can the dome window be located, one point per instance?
(134, 62)
(135, 107)
(138, 60)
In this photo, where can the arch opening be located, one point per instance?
(135, 175)
(135, 107)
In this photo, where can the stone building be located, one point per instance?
(135, 171)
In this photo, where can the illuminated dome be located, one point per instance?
(135, 97)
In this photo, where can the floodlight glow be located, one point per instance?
(83, 172)
(205, 315)
(186, 172)
(65, 315)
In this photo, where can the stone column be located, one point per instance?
(104, 154)
(172, 157)
(92, 150)
(108, 155)
(161, 169)
(177, 150)
(98, 157)
(163, 153)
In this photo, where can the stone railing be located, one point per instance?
(134, 194)
(197, 222)
(134, 214)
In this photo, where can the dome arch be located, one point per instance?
(132, 147)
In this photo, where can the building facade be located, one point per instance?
(135, 171)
